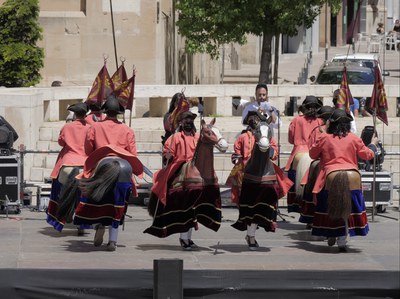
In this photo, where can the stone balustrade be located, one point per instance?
(26, 109)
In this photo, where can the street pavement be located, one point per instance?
(27, 241)
(38, 262)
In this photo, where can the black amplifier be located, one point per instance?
(383, 187)
(10, 174)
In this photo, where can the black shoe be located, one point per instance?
(185, 244)
(81, 232)
(111, 246)
(192, 244)
(252, 246)
(342, 249)
(98, 236)
(331, 241)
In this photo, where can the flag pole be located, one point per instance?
(374, 172)
(383, 68)
(130, 118)
(113, 33)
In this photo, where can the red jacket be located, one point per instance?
(89, 118)
(110, 132)
(72, 139)
(315, 133)
(313, 137)
(182, 148)
(337, 153)
(299, 134)
(244, 145)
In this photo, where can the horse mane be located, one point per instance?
(101, 182)
(339, 198)
(196, 151)
(69, 196)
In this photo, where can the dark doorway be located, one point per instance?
(353, 19)
(333, 31)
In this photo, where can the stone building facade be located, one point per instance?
(77, 34)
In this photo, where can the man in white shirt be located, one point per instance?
(261, 104)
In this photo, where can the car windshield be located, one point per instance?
(354, 77)
(367, 63)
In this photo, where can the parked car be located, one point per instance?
(367, 60)
(332, 72)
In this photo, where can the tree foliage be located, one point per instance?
(208, 24)
(20, 58)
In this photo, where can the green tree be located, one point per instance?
(207, 24)
(20, 58)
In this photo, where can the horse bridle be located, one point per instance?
(257, 132)
(209, 126)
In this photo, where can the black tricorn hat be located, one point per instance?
(187, 114)
(339, 115)
(95, 106)
(325, 112)
(112, 104)
(310, 101)
(260, 116)
(81, 108)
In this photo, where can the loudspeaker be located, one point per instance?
(366, 136)
(7, 134)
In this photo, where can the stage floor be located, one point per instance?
(33, 254)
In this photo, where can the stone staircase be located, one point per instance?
(148, 138)
(291, 64)
(149, 130)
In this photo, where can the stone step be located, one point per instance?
(240, 80)
(149, 139)
(146, 137)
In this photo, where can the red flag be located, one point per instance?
(345, 99)
(124, 93)
(119, 76)
(378, 101)
(102, 87)
(182, 106)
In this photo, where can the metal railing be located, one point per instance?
(22, 152)
(23, 184)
